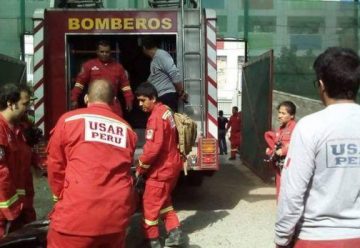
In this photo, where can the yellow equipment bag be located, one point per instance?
(187, 132)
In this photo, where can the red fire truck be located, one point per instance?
(65, 38)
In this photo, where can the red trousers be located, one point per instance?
(157, 204)
(235, 142)
(61, 240)
(342, 243)
(270, 138)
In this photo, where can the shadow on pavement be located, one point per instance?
(232, 183)
(201, 220)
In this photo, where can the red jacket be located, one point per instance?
(90, 154)
(234, 123)
(161, 156)
(283, 134)
(112, 71)
(10, 168)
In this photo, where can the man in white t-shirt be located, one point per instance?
(319, 204)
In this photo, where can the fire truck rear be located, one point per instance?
(65, 38)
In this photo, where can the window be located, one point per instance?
(306, 25)
(221, 71)
(261, 4)
(262, 24)
(241, 61)
(222, 23)
(241, 23)
(344, 24)
(215, 4)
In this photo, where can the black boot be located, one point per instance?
(175, 238)
(154, 243)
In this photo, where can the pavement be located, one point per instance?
(232, 209)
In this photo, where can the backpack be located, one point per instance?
(187, 132)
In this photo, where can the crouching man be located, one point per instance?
(160, 164)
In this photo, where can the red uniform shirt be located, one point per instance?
(235, 123)
(283, 134)
(112, 71)
(10, 167)
(161, 155)
(90, 154)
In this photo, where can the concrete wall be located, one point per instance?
(304, 106)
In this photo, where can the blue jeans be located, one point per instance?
(222, 141)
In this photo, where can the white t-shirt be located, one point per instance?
(320, 184)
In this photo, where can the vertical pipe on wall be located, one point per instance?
(22, 28)
(356, 25)
(246, 27)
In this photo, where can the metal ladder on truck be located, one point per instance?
(192, 53)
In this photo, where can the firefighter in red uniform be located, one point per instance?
(278, 141)
(90, 154)
(104, 67)
(13, 105)
(24, 181)
(161, 164)
(234, 125)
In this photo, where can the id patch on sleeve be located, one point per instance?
(149, 134)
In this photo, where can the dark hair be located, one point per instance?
(339, 69)
(290, 107)
(9, 93)
(102, 43)
(147, 90)
(235, 107)
(149, 42)
(26, 88)
(221, 113)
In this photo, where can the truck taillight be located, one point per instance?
(208, 151)
(209, 146)
(209, 159)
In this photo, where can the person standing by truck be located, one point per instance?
(160, 163)
(222, 121)
(24, 182)
(278, 141)
(234, 125)
(90, 154)
(13, 105)
(104, 67)
(164, 74)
